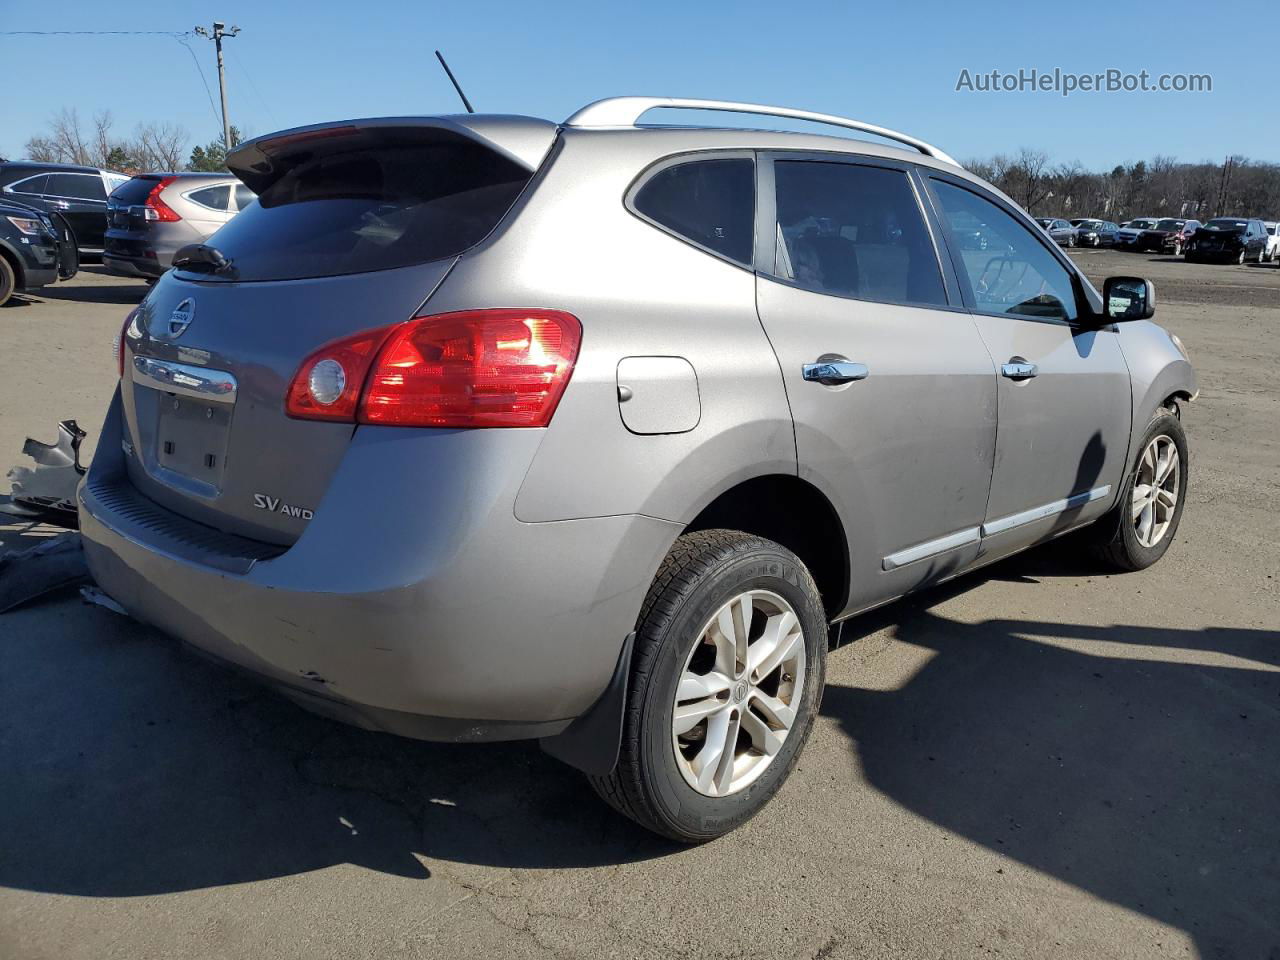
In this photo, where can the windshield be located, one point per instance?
(1226, 223)
(1170, 224)
(1088, 224)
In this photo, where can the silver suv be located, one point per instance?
(154, 215)
(487, 427)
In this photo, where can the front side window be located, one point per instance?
(76, 186)
(854, 231)
(1015, 273)
(710, 202)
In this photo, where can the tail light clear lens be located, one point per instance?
(327, 385)
(475, 368)
(157, 209)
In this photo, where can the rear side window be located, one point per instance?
(33, 186)
(215, 198)
(709, 202)
(375, 201)
(854, 231)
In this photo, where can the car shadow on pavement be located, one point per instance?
(120, 291)
(133, 768)
(1140, 764)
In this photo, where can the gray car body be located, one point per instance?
(137, 247)
(483, 584)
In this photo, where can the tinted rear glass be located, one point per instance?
(134, 191)
(215, 198)
(711, 202)
(372, 206)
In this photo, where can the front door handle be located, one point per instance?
(1019, 369)
(832, 373)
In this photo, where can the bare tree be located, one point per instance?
(158, 146)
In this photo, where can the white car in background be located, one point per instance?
(1273, 239)
(1127, 235)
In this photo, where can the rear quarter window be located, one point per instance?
(386, 201)
(708, 202)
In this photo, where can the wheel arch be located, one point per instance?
(791, 512)
(14, 261)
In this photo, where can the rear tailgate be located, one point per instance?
(353, 230)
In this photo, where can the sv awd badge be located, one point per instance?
(275, 505)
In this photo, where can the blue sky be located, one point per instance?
(890, 63)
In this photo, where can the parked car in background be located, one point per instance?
(154, 214)
(1127, 235)
(36, 249)
(346, 443)
(1063, 233)
(1095, 233)
(1273, 239)
(78, 194)
(1167, 236)
(1229, 239)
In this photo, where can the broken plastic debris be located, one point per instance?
(91, 594)
(48, 490)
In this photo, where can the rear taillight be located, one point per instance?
(327, 385)
(156, 209)
(117, 345)
(474, 368)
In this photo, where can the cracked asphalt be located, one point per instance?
(1036, 760)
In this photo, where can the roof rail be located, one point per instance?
(625, 111)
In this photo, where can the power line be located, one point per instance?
(254, 87)
(94, 33)
(199, 69)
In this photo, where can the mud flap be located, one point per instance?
(591, 742)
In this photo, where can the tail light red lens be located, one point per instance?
(475, 368)
(327, 385)
(157, 209)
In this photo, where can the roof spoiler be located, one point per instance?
(263, 160)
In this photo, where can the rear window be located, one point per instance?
(710, 202)
(135, 191)
(370, 202)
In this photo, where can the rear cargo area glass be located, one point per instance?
(374, 203)
(134, 191)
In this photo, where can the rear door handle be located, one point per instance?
(832, 373)
(1019, 369)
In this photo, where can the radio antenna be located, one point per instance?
(452, 79)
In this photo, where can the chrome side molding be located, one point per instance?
(931, 548)
(992, 527)
(212, 386)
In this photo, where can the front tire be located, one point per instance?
(8, 282)
(1140, 528)
(726, 679)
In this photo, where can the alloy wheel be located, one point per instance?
(1155, 491)
(739, 693)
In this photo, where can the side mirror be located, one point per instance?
(1128, 298)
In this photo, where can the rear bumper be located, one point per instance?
(414, 602)
(131, 266)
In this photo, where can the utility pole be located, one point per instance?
(220, 31)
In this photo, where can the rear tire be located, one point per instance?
(1118, 539)
(677, 665)
(8, 282)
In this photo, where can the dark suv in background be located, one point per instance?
(35, 249)
(1229, 239)
(78, 194)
